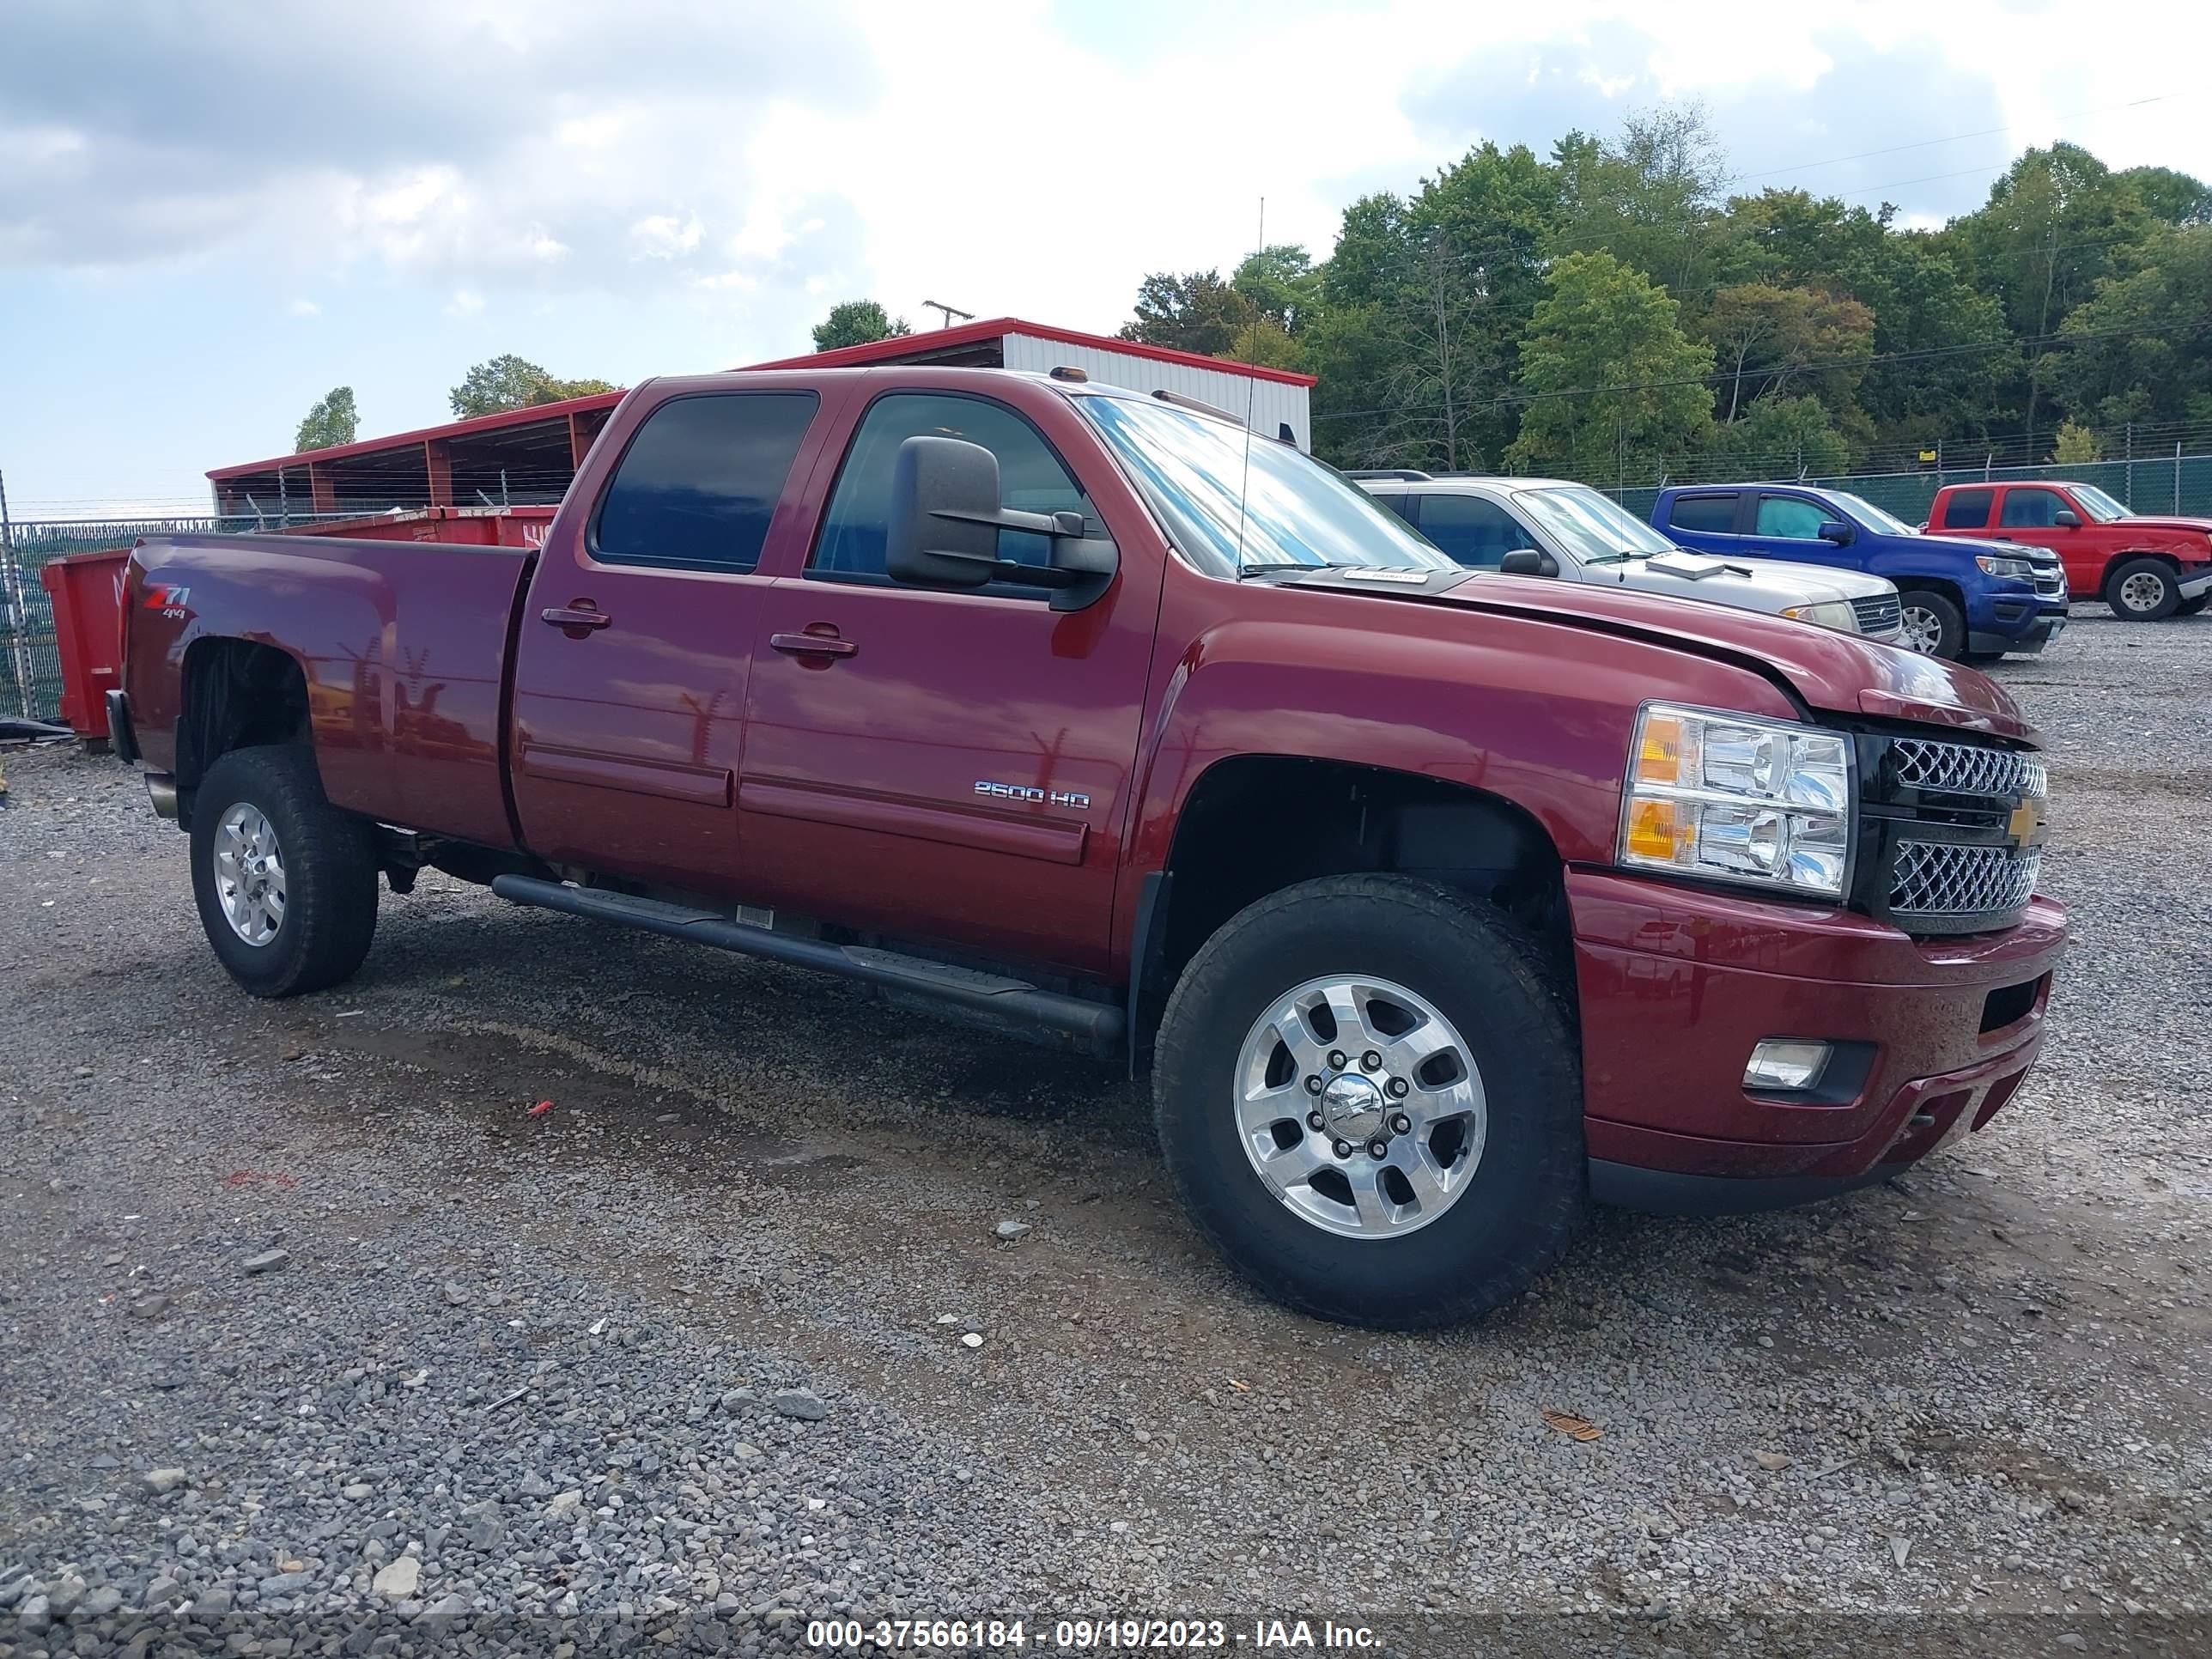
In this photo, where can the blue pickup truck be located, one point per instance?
(1964, 601)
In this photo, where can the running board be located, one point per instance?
(1011, 999)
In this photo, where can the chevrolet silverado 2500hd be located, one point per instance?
(1437, 902)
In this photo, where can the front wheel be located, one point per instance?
(1931, 624)
(1367, 1097)
(2142, 589)
(285, 883)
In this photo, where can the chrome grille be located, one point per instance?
(1878, 615)
(1967, 769)
(1939, 878)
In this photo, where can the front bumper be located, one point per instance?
(1677, 984)
(2044, 624)
(2194, 582)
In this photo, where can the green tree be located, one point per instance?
(1943, 363)
(2141, 349)
(508, 382)
(2174, 197)
(331, 421)
(1195, 311)
(1607, 372)
(2075, 445)
(857, 322)
(1281, 285)
(1650, 196)
(1765, 339)
(2058, 223)
(1783, 438)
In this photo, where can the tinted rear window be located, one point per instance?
(1969, 509)
(1713, 515)
(699, 482)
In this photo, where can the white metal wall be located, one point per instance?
(1270, 404)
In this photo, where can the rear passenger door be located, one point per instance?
(1705, 521)
(630, 672)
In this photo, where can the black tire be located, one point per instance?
(1527, 1194)
(2129, 573)
(2190, 607)
(1943, 617)
(329, 873)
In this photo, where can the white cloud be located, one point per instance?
(466, 302)
(304, 308)
(1018, 158)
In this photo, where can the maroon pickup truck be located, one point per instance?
(1436, 903)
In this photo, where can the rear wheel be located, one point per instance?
(1367, 1097)
(1931, 624)
(285, 883)
(2142, 589)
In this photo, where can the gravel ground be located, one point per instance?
(315, 1339)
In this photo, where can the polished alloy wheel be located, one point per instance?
(1920, 630)
(1359, 1105)
(249, 873)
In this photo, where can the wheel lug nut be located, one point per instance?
(1378, 1148)
(1335, 1061)
(1314, 1120)
(1313, 1086)
(1371, 1061)
(1401, 1125)
(1398, 1086)
(1342, 1149)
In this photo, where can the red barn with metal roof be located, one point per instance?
(529, 455)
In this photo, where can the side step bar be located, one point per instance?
(1011, 999)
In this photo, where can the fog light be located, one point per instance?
(1785, 1063)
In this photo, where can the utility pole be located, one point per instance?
(948, 312)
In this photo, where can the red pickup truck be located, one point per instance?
(1437, 902)
(2146, 569)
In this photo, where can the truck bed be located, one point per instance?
(403, 646)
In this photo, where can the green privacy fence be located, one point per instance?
(2167, 484)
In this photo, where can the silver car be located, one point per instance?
(1550, 527)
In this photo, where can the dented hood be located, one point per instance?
(1840, 673)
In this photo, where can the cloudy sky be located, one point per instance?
(210, 214)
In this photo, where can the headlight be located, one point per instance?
(1732, 797)
(1997, 565)
(1828, 613)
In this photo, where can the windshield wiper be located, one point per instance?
(1289, 564)
(1616, 558)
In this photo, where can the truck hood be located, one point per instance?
(1841, 673)
(2200, 526)
(1755, 584)
(1830, 671)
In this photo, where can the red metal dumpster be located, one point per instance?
(87, 589)
(463, 527)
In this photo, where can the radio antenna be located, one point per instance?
(1251, 410)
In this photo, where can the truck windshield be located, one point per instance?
(1870, 516)
(1230, 514)
(2097, 504)
(1596, 529)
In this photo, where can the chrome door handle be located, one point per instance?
(812, 645)
(571, 615)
